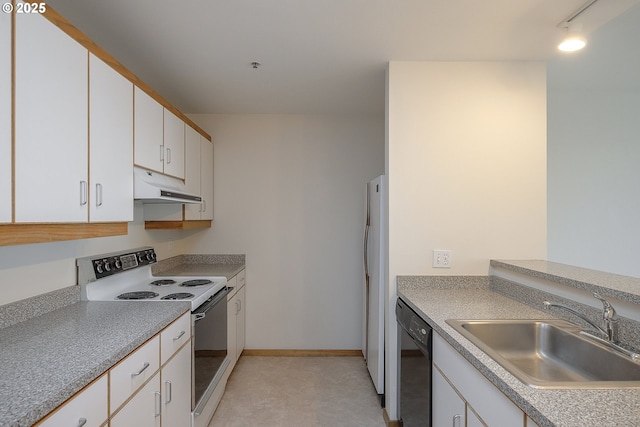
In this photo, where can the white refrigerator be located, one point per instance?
(374, 281)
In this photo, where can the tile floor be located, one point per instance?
(299, 391)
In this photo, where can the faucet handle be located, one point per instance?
(608, 312)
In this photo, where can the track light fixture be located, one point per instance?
(574, 39)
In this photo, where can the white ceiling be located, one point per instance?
(317, 56)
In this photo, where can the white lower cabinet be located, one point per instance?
(236, 319)
(531, 423)
(88, 406)
(138, 391)
(144, 409)
(133, 371)
(455, 380)
(448, 407)
(176, 389)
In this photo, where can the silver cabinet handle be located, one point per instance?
(81, 422)
(158, 403)
(168, 155)
(98, 194)
(83, 193)
(162, 153)
(456, 420)
(179, 335)
(203, 206)
(167, 389)
(238, 306)
(145, 366)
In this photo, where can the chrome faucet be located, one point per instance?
(609, 317)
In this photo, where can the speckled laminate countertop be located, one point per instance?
(607, 284)
(47, 359)
(561, 408)
(200, 265)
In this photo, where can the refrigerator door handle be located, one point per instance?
(366, 275)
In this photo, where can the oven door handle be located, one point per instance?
(201, 312)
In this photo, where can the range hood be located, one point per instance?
(154, 187)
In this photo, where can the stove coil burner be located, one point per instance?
(196, 282)
(179, 295)
(163, 282)
(137, 295)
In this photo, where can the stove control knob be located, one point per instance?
(107, 266)
(117, 264)
(99, 268)
(141, 257)
(149, 256)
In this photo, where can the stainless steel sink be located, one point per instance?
(550, 354)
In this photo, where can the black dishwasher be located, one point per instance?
(414, 367)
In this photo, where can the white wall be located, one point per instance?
(466, 164)
(29, 270)
(594, 175)
(289, 193)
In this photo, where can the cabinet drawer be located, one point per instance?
(89, 404)
(174, 336)
(490, 403)
(133, 371)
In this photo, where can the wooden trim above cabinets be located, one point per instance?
(177, 225)
(22, 234)
(90, 45)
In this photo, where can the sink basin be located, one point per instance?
(550, 354)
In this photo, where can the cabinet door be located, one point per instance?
(231, 324)
(240, 321)
(176, 389)
(149, 150)
(173, 145)
(448, 407)
(473, 420)
(206, 178)
(51, 106)
(192, 171)
(111, 141)
(89, 405)
(144, 409)
(5, 117)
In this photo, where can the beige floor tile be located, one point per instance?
(299, 391)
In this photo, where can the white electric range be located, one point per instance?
(126, 276)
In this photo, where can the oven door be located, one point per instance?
(209, 348)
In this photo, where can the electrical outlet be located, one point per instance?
(441, 258)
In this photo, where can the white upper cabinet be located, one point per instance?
(111, 141)
(192, 171)
(206, 178)
(158, 138)
(199, 174)
(148, 139)
(173, 145)
(51, 120)
(5, 117)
